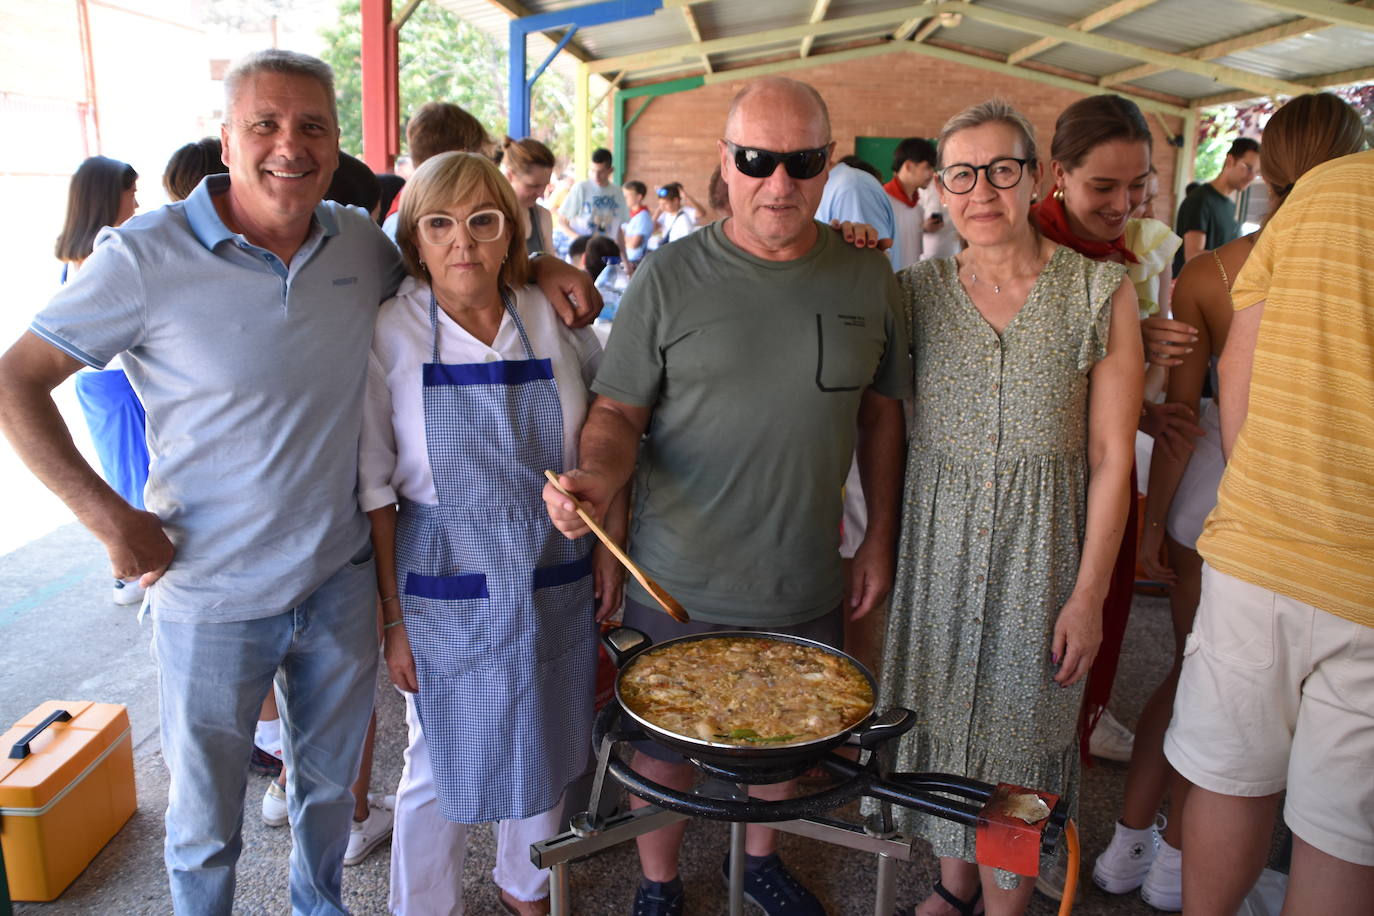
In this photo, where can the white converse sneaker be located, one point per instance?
(1122, 866)
(368, 835)
(1111, 740)
(1163, 887)
(274, 805)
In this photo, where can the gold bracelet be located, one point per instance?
(393, 623)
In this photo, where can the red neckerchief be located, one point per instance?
(637, 210)
(897, 192)
(395, 203)
(1049, 215)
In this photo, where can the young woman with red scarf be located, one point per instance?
(1100, 161)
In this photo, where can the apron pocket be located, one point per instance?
(563, 601)
(448, 621)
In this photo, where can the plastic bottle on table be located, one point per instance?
(611, 282)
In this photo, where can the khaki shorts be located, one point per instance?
(1278, 694)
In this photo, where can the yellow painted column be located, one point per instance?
(1183, 165)
(582, 124)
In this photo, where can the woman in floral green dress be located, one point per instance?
(1028, 367)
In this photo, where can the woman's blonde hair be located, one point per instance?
(1306, 132)
(451, 179)
(993, 111)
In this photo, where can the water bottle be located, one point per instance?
(611, 282)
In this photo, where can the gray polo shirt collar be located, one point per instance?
(210, 230)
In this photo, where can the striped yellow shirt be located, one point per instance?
(1295, 512)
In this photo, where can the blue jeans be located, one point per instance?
(212, 679)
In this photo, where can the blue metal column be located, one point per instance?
(574, 18)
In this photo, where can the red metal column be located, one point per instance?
(91, 114)
(381, 97)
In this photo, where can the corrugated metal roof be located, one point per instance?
(984, 36)
(1084, 60)
(1171, 26)
(1176, 82)
(1175, 26)
(1329, 51)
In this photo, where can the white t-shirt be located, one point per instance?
(675, 226)
(591, 208)
(942, 244)
(393, 458)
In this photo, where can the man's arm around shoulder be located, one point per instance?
(29, 418)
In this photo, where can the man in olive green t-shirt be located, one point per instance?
(755, 354)
(1207, 216)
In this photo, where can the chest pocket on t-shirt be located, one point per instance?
(846, 352)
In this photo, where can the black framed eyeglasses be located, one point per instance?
(1003, 173)
(760, 163)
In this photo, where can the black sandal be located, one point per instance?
(965, 908)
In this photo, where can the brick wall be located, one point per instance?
(895, 95)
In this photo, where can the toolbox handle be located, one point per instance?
(21, 747)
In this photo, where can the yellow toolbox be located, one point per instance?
(66, 787)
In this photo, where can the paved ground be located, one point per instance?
(61, 638)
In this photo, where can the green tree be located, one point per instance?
(443, 58)
(1217, 130)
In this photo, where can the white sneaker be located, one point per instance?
(1051, 880)
(1163, 887)
(274, 805)
(1122, 866)
(1111, 740)
(368, 835)
(127, 593)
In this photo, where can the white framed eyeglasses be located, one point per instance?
(442, 229)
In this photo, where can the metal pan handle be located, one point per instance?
(624, 643)
(894, 723)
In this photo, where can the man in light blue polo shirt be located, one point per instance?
(854, 194)
(244, 315)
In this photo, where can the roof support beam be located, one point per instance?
(1331, 11)
(573, 17)
(679, 53)
(517, 10)
(1038, 76)
(1227, 75)
(903, 31)
(695, 28)
(1340, 78)
(930, 28)
(947, 54)
(817, 14)
(1107, 14)
(1246, 42)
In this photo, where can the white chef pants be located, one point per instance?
(428, 851)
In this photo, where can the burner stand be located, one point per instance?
(805, 815)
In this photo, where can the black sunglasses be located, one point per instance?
(760, 163)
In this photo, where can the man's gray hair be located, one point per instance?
(993, 111)
(276, 60)
(779, 83)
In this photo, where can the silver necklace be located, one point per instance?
(973, 280)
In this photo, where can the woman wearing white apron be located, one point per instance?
(474, 388)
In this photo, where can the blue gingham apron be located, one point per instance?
(498, 605)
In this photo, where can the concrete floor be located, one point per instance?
(60, 638)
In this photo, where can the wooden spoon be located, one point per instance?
(667, 601)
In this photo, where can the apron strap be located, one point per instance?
(506, 300)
